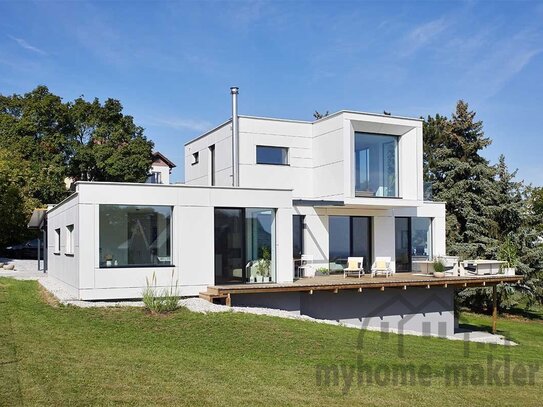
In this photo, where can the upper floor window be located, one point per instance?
(271, 155)
(195, 158)
(154, 178)
(376, 165)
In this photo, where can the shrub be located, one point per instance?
(439, 267)
(160, 301)
(323, 270)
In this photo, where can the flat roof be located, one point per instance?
(304, 121)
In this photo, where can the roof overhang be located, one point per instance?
(37, 220)
(381, 203)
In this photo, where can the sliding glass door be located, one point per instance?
(413, 238)
(349, 236)
(229, 245)
(403, 244)
(244, 245)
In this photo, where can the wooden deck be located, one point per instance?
(336, 283)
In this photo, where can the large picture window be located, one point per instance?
(135, 236)
(376, 165)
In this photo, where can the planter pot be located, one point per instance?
(439, 274)
(108, 263)
(318, 273)
(259, 279)
(252, 279)
(267, 279)
(509, 271)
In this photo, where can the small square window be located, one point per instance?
(195, 158)
(271, 155)
(57, 241)
(70, 239)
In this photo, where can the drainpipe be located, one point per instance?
(235, 137)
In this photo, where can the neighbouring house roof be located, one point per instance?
(158, 157)
(37, 220)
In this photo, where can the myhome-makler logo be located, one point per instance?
(492, 365)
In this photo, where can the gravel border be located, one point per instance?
(202, 306)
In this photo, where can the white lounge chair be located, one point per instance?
(482, 267)
(451, 264)
(306, 267)
(381, 265)
(355, 266)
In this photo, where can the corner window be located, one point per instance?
(195, 158)
(57, 241)
(70, 239)
(271, 155)
(135, 236)
(376, 165)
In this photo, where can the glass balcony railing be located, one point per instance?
(428, 193)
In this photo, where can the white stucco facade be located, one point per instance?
(318, 181)
(192, 243)
(321, 167)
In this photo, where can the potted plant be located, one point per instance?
(109, 260)
(259, 277)
(439, 268)
(263, 266)
(322, 271)
(508, 253)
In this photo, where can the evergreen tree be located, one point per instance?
(488, 210)
(463, 179)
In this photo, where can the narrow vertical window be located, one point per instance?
(70, 239)
(57, 241)
(212, 165)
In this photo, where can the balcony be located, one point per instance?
(428, 192)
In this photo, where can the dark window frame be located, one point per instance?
(352, 248)
(300, 219)
(287, 163)
(134, 266)
(195, 158)
(212, 164)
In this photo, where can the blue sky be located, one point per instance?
(171, 63)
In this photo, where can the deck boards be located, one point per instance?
(336, 283)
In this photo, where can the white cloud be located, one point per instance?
(499, 62)
(422, 35)
(23, 44)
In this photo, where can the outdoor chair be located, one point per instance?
(381, 266)
(355, 266)
(451, 264)
(306, 267)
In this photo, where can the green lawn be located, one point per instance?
(56, 355)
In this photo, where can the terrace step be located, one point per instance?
(211, 297)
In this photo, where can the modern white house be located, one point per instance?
(259, 194)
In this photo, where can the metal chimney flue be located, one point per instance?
(235, 136)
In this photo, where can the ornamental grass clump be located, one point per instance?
(160, 301)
